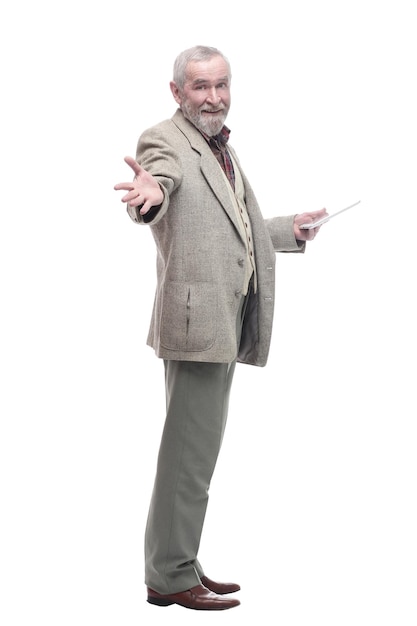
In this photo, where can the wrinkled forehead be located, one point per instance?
(214, 70)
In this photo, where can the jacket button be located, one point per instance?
(238, 292)
(241, 262)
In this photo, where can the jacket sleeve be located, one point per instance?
(158, 157)
(281, 231)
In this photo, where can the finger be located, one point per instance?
(134, 165)
(124, 186)
(133, 198)
(318, 214)
(145, 207)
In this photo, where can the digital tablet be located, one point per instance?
(326, 218)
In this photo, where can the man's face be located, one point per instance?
(205, 99)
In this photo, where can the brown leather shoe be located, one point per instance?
(198, 597)
(220, 588)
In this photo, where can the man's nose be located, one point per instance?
(213, 96)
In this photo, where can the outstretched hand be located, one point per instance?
(143, 191)
(307, 234)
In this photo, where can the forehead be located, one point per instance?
(212, 71)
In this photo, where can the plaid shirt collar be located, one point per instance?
(221, 138)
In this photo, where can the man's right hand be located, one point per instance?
(143, 190)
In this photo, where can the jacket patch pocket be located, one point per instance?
(189, 314)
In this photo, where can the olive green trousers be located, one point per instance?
(197, 401)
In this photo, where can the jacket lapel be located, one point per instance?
(209, 165)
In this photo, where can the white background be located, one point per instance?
(313, 504)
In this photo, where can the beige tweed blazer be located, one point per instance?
(201, 255)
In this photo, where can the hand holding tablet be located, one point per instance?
(326, 219)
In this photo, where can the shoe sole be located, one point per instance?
(162, 602)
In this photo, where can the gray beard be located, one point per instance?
(210, 126)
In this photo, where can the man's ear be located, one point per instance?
(175, 92)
